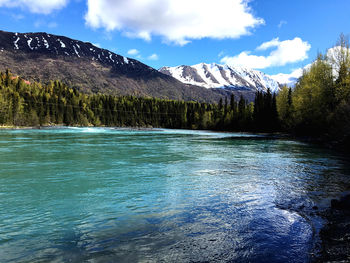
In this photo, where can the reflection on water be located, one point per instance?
(122, 195)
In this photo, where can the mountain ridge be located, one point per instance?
(222, 76)
(44, 57)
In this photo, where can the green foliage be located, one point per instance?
(313, 97)
(285, 108)
(320, 103)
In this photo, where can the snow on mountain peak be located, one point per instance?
(222, 76)
(44, 43)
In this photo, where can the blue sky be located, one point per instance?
(274, 36)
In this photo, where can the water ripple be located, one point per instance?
(123, 195)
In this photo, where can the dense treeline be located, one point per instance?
(319, 105)
(34, 104)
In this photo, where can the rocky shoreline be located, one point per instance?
(335, 235)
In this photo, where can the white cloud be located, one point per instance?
(133, 52)
(285, 52)
(269, 44)
(177, 21)
(332, 56)
(335, 56)
(35, 6)
(245, 59)
(290, 79)
(153, 57)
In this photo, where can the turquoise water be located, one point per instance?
(113, 195)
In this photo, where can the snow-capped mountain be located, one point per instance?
(61, 46)
(222, 76)
(82, 65)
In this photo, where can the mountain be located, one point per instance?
(219, 76)
(44, 57)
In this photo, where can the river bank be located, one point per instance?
(335, 235)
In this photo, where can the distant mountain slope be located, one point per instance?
(44, 57)
(219, 76)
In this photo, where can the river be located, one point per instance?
(123, 195)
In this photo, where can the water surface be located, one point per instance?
(119, 195)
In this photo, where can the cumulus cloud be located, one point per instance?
(153, 57)
(333, 56)
(177, 21)
(35, 6)
(269, 44)
(245, 59)
(290, 79)
(336, 56)
(133, 52)
(284, 52)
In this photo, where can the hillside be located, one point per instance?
(44, 57)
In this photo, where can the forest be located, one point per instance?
(34, 104)
(318, 105)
